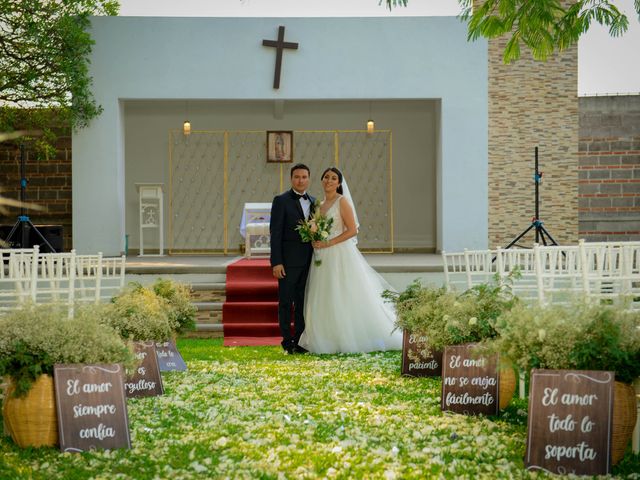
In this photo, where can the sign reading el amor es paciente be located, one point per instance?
(91, 407)
(414, 362)
(145, 381)
(569, 427)
(469, 381)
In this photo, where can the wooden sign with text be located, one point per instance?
(91, 407)
(169, 358)
(469, 381)
(414, 363)
(145, 381)
(569, 427)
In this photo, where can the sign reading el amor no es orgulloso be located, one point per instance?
(570, 414)
(91, 407)
(145, 380)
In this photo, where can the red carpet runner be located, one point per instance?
(250, 312)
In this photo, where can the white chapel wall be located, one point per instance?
(338, 59)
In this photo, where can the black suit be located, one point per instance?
(287, 249)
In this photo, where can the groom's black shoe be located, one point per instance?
(289, 347)
(299, 349)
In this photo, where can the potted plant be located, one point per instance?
(445, 318)
(178, 303)
(580, 336)
(138, 314)
(32, 340)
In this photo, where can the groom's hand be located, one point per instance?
(278, 271)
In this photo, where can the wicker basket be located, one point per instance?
(31, 420)
(507, 386)
(624, 419)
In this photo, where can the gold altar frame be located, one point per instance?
(284, 169)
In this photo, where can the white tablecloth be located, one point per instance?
(254, 212)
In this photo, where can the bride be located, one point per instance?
(344, 311)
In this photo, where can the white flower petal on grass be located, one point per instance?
(222, 442)
(336, 449)
(198, 467)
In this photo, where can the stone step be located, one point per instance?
(209, 286)
(208, 306)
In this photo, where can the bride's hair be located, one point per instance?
(337, 172)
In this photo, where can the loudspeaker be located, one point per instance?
(52, 234)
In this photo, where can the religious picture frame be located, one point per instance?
(279, 146)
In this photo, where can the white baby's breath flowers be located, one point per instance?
(542, 334)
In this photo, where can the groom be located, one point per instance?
(290, 257)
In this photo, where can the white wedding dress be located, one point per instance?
(344, 311)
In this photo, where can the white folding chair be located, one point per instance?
(56, 280)
(560, 273)
(612, 271)
(88, 277)
(18, 275)
(455, 276)
(516, 267)
(111, 279)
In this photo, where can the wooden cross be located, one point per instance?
(280, 44)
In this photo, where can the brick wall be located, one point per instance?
(532, 104)
(609, 171)
(49, 185)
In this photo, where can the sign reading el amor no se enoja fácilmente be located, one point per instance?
(414, 362)
(469, 381)
(91, 407)
(569, 427)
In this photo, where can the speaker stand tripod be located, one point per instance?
(542, 234)
(23, 224)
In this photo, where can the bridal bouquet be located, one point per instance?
(315, 229)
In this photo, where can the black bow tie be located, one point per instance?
(305, 196)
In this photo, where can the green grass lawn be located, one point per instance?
(253, 412)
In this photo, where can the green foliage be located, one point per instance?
(44, 64)
(447, 318)
(34, 338)
(253, 412)
(139, 314)
(543, 26)
(178, 303)
(580, 336)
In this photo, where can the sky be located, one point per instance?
(606, 66)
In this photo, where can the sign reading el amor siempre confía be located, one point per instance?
(91, 407)
(469, 381)
(570, 414)
(145, 381)
(414, 362)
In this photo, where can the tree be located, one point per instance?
(544, 26)
(44, 64)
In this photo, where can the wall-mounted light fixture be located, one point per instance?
(186, 126)
(371, 125)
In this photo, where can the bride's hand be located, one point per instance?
(319, 245)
